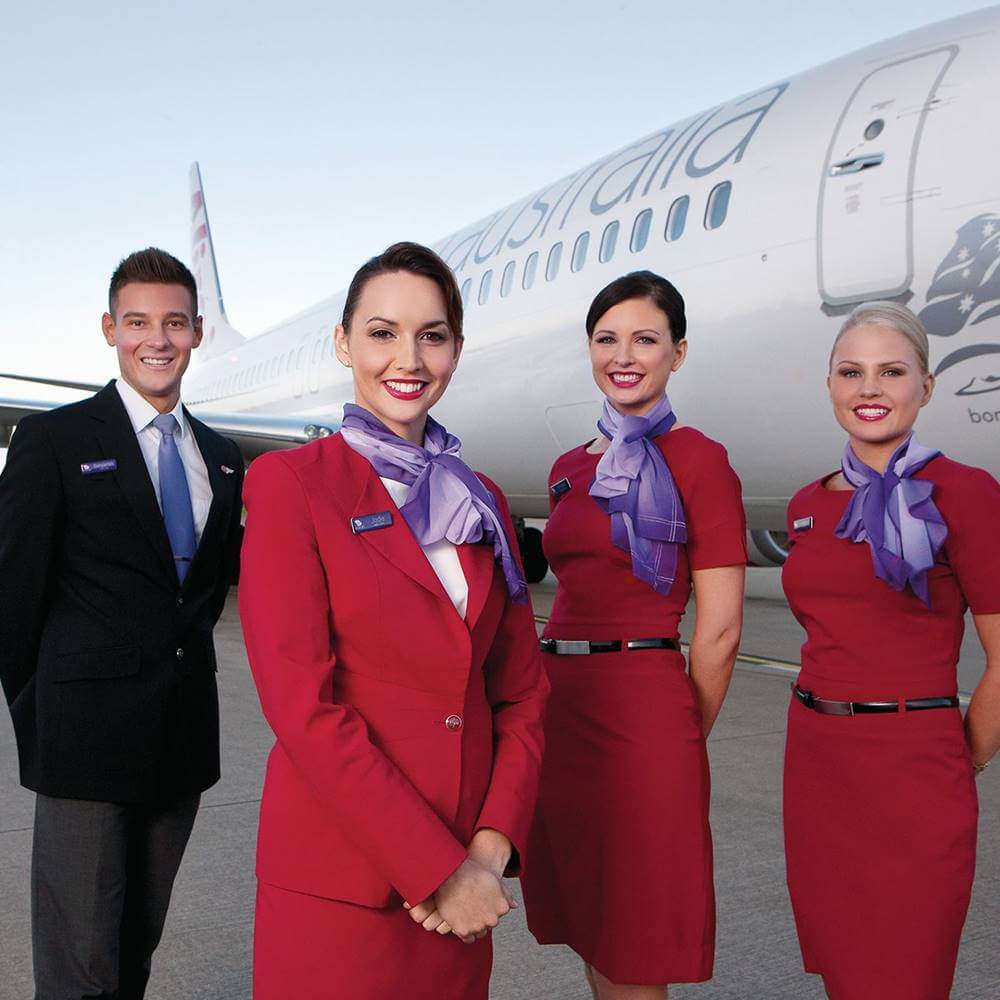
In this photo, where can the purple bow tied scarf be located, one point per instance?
(895, 514)
(633, 484)
(447, 500)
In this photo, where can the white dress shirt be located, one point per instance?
(443, 556)
(142, 413)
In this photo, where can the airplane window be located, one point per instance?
(466, 285)
(579, 257)
(507, 280)
(484, 287)
(676, 218)
(530, 267)
(718, 205)
(608, 242)
(552, 264)
(874, 129)
(640, 230)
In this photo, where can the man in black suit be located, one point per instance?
(119, 535)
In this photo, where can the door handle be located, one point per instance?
(856, 164)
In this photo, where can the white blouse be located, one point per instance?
(443, 556)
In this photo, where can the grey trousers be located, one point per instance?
(101, 878)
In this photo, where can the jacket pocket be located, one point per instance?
(95, 664)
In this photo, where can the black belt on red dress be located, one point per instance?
(583, 647)
(827, 707)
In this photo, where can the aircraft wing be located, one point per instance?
(254, 433)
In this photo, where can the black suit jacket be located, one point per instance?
(107, 662)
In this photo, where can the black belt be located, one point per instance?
(826, 707)
(583, 647)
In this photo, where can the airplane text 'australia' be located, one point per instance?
(702, 144)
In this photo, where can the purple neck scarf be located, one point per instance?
(633, 484)
(895, 514)
(447, 500)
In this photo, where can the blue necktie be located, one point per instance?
(175, 498)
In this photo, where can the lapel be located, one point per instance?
(395, 543)
(223, 487)
(118, 441)
(478, 565)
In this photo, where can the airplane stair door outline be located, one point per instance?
(865, 239)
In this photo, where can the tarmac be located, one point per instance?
(205, 952)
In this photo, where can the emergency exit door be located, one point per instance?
(865, 234)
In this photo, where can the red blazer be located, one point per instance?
(401, 728)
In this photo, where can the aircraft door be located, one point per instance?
(865, 240)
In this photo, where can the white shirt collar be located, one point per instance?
(142, 413)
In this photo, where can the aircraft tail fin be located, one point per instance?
(219, 335)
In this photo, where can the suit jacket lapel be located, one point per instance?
(395, 543)
(479, 566)
(223, 487)
(118, 440)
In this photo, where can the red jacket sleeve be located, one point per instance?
(517, 688)
(285, 611)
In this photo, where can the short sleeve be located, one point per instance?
(971, 509)
(713, 509)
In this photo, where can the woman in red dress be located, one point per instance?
(621, 850)
(397, 663)
(880, 804)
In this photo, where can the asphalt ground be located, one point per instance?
(205, 952)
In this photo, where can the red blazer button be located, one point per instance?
(453, 722)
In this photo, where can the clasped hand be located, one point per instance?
(469, 904)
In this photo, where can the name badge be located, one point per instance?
(802, 524)
(563, 486)
(371, 522)
(103, 465)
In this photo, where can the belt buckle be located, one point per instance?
(808, 699)
(573, 647)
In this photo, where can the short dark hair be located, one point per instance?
(416, 259)
(155, 267)
(641, 285)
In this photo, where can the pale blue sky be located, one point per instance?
(326, 131)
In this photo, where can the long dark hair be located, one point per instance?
(641, 285)
(416, 259)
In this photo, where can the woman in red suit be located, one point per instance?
(393, 646)
(887, 555)
(621, 846)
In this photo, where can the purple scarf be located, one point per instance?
(447, 500)
(895, 514)
(633, 484)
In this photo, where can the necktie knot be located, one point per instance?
(166, 424)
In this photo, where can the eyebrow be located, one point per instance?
(392, 322)
(881, 364)
(141, 315)
(659, 333)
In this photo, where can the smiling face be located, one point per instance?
(400, 349)
(153, 329)
(633, 355)
(877, 386)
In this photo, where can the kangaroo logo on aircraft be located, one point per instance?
(965, 291)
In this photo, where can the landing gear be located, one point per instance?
(767, 548)
(533, 558)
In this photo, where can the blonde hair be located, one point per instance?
(896, 317)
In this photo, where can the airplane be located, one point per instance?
(870, 177)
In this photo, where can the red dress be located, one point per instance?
(880, 810)
(621, 850)
(400, 729)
